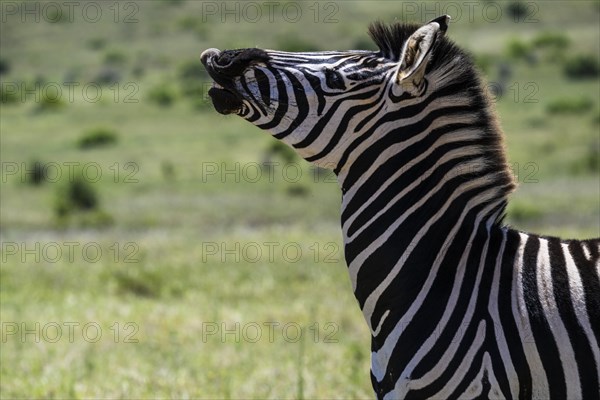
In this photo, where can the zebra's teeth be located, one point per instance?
(216, 85)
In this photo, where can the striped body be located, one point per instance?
(459, 305)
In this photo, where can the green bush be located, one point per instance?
(298, 190)
(552, 45)
(138, 71)
(592, 160)
(281, 150)
(162, 95)
(142, 279)
(517, 10)
(192, 70)
(198, 93)
(517, 49)
(77, 204)
(553, 40)
(37, 173)
(108, 75)
(97, 43)
(582, 66)
(195, 89)
(573, 105)
(4, 66)
(138, 282)
(82, 195)
(589, 163)
(97, 137)
(168, 170)
(50, 102)
(115, 57)
(55, 15)
(78, 194)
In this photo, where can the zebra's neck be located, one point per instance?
(418, 185)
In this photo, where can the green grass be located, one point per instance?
(172, 357)
(163, 189)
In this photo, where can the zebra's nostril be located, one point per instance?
(208, 54)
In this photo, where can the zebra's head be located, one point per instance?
(317, 101)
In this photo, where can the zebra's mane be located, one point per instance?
(455, 66)
(390, 40)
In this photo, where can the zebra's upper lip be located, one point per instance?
(217, 76)
(217, 61)
(216, 71)
(208, 54)
(231, 63)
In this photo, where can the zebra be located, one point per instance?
(459, 304)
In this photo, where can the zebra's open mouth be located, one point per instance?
(225, 68)
(224, 100)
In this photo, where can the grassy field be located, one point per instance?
(199, 272)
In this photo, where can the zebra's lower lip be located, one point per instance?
(225, 101)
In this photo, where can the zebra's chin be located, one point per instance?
(225, 101)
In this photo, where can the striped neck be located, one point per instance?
(433, 176)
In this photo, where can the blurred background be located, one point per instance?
(154, 248)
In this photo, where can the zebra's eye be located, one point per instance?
(334, 79)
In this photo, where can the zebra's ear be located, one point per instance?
(416, 54)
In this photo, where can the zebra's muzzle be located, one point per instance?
(224, 97)
(225, 67)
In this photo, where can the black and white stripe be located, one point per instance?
(459, 305)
